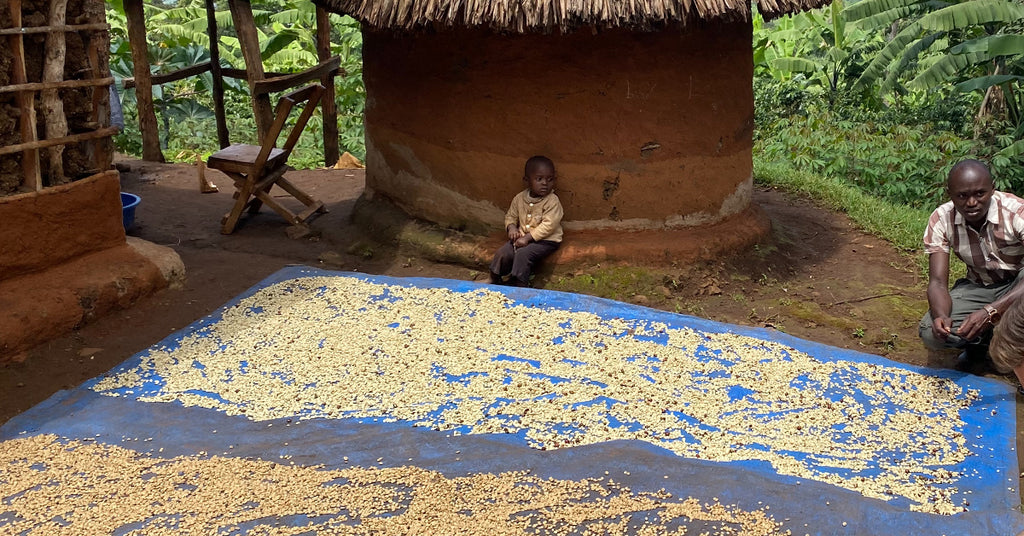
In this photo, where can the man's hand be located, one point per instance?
(974, 325)
(523, 241)
(514, 233)
(941, 327)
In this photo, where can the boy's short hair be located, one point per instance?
(535, 161)
(1007, 346)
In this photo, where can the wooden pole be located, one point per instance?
(248, 39)
(144, 87)
(102, 147)
(47, 29)
(104, 132)
(60, 84)
(328, 106)
(218, 78)
(289, 81)
(26, 103)
(50, 101)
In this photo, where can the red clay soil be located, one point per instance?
(815, 276)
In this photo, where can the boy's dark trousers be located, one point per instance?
(519, 262)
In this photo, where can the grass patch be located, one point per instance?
(812, 312)
(615, 282)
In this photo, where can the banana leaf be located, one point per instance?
(869, 8)
(1015, 149)
(945, 68)
(985, 82)
(795, 65)
(973, 13)
(994, 45)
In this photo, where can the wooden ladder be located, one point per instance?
(52, 81)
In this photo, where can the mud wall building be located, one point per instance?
(646, 110)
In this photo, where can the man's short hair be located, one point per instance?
(535, 161)
(969, 163)
(1007, 346)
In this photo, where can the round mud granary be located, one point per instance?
(648, 115)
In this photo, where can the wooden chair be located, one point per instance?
(255, 169)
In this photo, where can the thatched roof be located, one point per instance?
(546, 15)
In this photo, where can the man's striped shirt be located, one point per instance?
(993, 254)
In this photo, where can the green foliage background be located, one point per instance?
(176, 35)
(881, 95)
(886, 95)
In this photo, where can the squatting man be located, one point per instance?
(985, 229)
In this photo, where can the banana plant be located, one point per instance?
(816, 45)
(1005, 53)
(966, 46)
(929, 29)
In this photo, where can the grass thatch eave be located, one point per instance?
(522, 16)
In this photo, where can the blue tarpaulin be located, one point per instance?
(824, 440)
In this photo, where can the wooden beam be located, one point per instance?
(218, 79)
(48, 29)
(328, 106)
(240, 74)
(65, 140)
(163, 78)
(288, 81)
(26, 104)
(225, 72)
(102, 147)
(63, 84)
(248, 39)
(56, 121)
(144, 87)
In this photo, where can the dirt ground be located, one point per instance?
(816, 276)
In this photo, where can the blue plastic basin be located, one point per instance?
(128, 204)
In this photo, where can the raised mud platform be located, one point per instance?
(64, 260)
(386, 222)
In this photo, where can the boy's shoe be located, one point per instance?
(496, 279)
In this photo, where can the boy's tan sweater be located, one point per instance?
(541, 217)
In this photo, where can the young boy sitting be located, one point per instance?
(534, 225)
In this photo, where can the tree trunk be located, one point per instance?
(218, 78)
(248, 39)
(51, 103)
(990, 104)
(328, 105)
(143, 83)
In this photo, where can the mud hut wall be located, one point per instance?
(647, 129)
(39, 230)
(78, 102)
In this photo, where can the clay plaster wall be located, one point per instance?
(648, 130)
(44, 229)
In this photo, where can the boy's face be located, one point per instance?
(540, 180)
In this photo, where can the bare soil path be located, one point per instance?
(817, 276)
